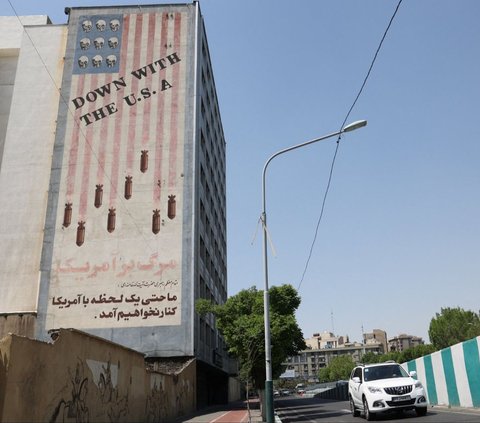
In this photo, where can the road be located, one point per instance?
(299, 409)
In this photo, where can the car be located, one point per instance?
(385, 387)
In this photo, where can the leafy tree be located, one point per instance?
(397, 356)
(338, 369)
(241, 322)
(392, 355)
(453, 325)
(324, 374)
(416, 352)
(370, 357)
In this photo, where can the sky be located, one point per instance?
(399, 237)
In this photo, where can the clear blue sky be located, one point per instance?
(400, 236)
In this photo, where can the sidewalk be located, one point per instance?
(236, 412)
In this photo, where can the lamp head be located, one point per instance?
(355, 125)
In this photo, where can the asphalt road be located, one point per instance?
(299, 409)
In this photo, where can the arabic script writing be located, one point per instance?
(148, 284)
(119, 269)
(126, 312)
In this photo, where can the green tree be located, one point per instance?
(390, 356)
(324, 374)
(416, 352)
(397, 356)
(241, 322)
(338, 369)
(370, 357)
(453, 325)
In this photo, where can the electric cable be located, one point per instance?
(77, 124)
(327, 189)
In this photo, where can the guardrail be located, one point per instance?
(339, 391)
(451, 376)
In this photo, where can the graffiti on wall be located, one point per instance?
(72, 407)
(81, 400)
(163, 402)
(157, 403)
(183, 395)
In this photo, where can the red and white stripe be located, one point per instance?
(106, 151)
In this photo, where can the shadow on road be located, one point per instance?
(298, 409)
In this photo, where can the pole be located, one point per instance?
(269, 409)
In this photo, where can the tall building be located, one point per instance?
(325, 340)
(307, 363)
(403, 342)
(377, 336)
(113, 218)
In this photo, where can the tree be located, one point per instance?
(241, 322)
(397, 356)
(416, 352)
(453, 325)
(338, 369)
(370, 357)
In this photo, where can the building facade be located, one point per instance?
(377, 336)
(325, 340)
(113, 164)
(307, 363)
(403, 342)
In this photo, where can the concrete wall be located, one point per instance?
(26, 161)
(451, 376)
(13, 29)
(8, 66)
(235, 389)
(19, 324)
(83, 378)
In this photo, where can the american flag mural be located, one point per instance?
(118, 246)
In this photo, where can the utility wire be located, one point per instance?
(77, 123)
(338, 143)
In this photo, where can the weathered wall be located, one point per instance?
(451, 376)
(20, 324)
(83, 378)
(234, 389)
(27, 157)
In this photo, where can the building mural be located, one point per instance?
(118, 182)
(117, 249)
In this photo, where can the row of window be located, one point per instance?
(214, 223)
(216, 140)
(211, 98)
(217, 278)
(212, 204)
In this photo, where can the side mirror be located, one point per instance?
(413, 374)
(356, 379)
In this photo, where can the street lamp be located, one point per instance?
(269, 411)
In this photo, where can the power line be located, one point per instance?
(338, 142)
(77, 123)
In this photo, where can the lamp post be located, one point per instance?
(269, 411)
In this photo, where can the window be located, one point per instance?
(358, 373)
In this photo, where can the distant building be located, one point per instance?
(325, 340)
(403, 342)
(377, 336)
(322, 348)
